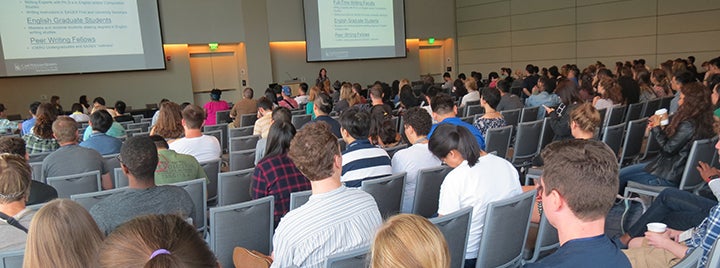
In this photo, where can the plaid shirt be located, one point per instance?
(35, 144)
(278, 176)
(705, 235)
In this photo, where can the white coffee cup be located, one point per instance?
(656, 227)
(662, 113)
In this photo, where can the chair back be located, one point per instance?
(455, 227)
(392, 150)
(215, 133)
(234, 187)
(212, 168)
(527, 142)
(652, 148)
(248, 224)
(121, 180)
(616, 115)
(471, 110)
(498, 140)
(131, 132)
(651, 106)
(665, 102)
(300, 120)
(388, 193)
(613, 137)
(144, 126)
(112, 162)
(713, 259)
(531, 114)
(603, 114)
(546, 134)
(504, 219)
(37, 171)
(547, 240)
(12, 259)
(240, 160)
(243, 143)
(427, 190)
(247, 120)
(240, 132)
(197, 189)
(68, 185)
(691, 259)
(140, 134)
(634, 111)
(702, 150)
(88, 200)
(351, 259)
(223, 127)
(633, 141)
(298, 199)
(38, 157)
(468, 119)
(222, 117)
(512, 117)
(137, 118)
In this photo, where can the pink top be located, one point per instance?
(212, 107)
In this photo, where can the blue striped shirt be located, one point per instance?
(706, 234)
(362, 161)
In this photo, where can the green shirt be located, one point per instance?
(717, 112)
(174, 167)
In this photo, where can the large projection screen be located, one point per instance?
(354, 29)
(43, 37)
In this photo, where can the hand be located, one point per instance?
(548, 109)
(659, 240)
(673, 234)
(653, 121)
(706, 171)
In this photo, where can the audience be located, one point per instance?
(55, 102)
(203, 147)
(156, 241)
(542, 96)
(100, 122)
(99, 104)
(287, 100)
(276, 174)
(264, 115)
(416, 125)
(245, 106)
(469, 183)
(85, 105)
(302, 96)
(347, 98)
(577, 207)
(314, 91)
(335, 219)
(322, 106)
(28, 124)
(491, 118)
(169, 122)
(121, 116)
(409, 241)
(71, 158)
(78, 113)
(14, 191)
(213, 106)
(6, 126)
(157, 113)
(174, 167)
(647, 93)
(361, 160)
(660, 83)
(279, 114)
(610, 94)
(116, 130)
(383, 131)
(679, 81)
(444, 111)
(138, 160)
(39, 192)
(40, 139)
(530, 80)
(560, 117)
(473, 94)
(62, 235)
(630, 89)
(508, 101)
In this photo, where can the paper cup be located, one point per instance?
(656, 227)
(663, 114)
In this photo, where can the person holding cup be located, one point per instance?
(692, 121)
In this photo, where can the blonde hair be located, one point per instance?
(14, 178)
(408, 240)
(471, 84)
(62, 234)
(135, 242)
(314, 91)
(586, 117)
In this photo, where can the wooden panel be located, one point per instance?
(616, 47)
(493, 25)
(700, 21)
(532, 6)
(616, 11)
(616, 29)
(484, 41)
(545, 35)
(544, 19)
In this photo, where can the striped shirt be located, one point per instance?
(705, 235)
(338, 221)
(361, 161)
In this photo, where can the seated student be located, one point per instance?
(541, 96)
(245, 106)
(302, 96)
(40, 139)
(78, 114)
(195, 143)
(279, 114)
(62, 234)
(383, 131)
(408, 240)
(138, 160)
(489, 99)
(264, 114)
(577, 208)
(100, 122)
(71, 158)
(361, 160)
(444, 111)
(336, 219)
(477, 179)
(99, 104)
(213, 106)
(156, 241)
(39, 192)
(14, 190)
(27, 125)
(286, 100)
(157, 113)
(508, 101)
(174, 167)
(473, 94)
(116, 129)
(168, 122)
(276, 174)
(417, 124)
(322, 107)
(121, 116)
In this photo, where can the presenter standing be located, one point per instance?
(322, 77)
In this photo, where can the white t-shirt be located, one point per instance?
(412, 160)
(491, 179)
(471, 96)
(203, 148)
(301, 99)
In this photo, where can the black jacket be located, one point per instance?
(674, 152)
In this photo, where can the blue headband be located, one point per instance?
(159, 252)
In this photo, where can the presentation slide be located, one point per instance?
(40, 37)
(354, 29)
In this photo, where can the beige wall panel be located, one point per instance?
(426, 18)
(546, 35)
(543, 52)
(544, 19)
(676, 6)
(689, 42)
(616, 11)
(532, 6)
(483, 11)
(700, 21)
(493, 25)
(484, 41)
(484, 55)
(581, 3)
(285, 20)
(616, 47)
(466, 3)
(616, 29)
(201, 22)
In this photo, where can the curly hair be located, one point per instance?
(46, 115)
(612, 90)
(169, 122)
(696, 108)
(313, 151)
